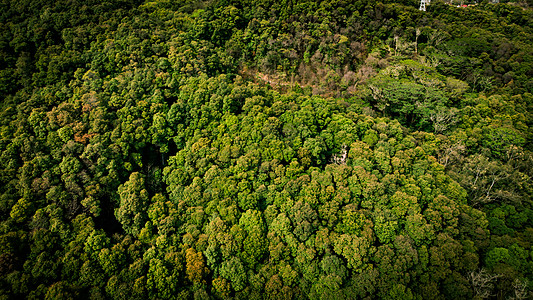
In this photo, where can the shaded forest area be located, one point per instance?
(265, 150)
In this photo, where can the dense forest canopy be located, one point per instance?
(265, 149)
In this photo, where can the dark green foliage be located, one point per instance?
(265, 150)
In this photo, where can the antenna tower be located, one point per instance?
(423, 4)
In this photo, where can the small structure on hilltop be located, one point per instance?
(423, 4)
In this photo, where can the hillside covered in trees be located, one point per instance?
(337, 149)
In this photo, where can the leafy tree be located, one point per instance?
(131, 212)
